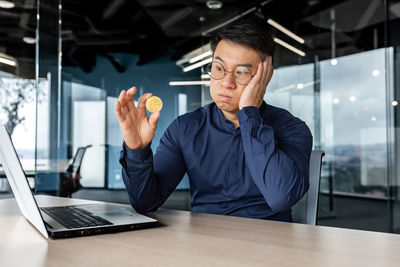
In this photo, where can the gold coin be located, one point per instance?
(153, 104)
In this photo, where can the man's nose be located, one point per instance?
(228, 81)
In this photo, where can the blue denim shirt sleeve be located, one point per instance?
(279, 167)
(149, 181)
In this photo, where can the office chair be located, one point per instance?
(70, 180)
(306, 210)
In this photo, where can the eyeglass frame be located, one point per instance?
(208, 66)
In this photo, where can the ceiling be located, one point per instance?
(155, 28)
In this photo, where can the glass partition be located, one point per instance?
(292, 88)
(354, 122)
(114, 142)
(393, 82)
(18, 86)
(88, 127)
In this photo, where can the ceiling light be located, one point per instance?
(6, 4)
(205, 76)
(394, 103)
(285, 31)
(336, 101)
(376, 73)
(192, 54)
(353, 98)
(333, 62)
(290, 47)
(5, 59)
(178, 83)
(213, 4)
(197, 65)
(201, 56)
(300, 86)
(29, 40)
(373, 118)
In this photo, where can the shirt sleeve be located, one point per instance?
(150, 180)
(278, 160)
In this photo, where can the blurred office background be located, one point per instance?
(64, 63)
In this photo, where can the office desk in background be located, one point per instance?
(194, 239)
(44, 166)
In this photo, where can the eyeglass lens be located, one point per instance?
(240, 74)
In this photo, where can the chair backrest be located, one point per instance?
(306, 210)
(75, 166)
(77, 161)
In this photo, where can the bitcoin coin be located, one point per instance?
(153, 104)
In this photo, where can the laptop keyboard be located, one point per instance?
(73, 217)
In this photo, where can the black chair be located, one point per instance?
(306, 210)
(70, 180)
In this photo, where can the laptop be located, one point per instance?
(65, 221)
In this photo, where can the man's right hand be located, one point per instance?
(137, 129)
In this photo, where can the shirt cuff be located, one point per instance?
(140, 154)
(250, 115)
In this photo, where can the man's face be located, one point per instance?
(226, 92)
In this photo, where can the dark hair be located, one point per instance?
(248, 34)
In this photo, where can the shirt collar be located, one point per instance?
(222, 122)
(227, 124)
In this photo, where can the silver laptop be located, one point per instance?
(66, 221)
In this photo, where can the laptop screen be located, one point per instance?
(18, 182)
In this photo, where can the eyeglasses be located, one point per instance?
(241, 74)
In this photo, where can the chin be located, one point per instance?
(226, 107)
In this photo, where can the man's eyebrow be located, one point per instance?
(245, 65)
(217, 57)
(249, 65)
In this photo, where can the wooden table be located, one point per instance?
(195, 239)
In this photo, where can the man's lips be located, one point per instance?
(224, 97)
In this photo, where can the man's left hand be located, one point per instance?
(254, 92)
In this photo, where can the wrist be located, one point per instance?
(247, 105)
(133, 145)
(139, 154)
(250, 103)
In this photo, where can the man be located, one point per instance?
(243, 157)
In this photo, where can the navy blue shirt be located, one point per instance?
(259, 170)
